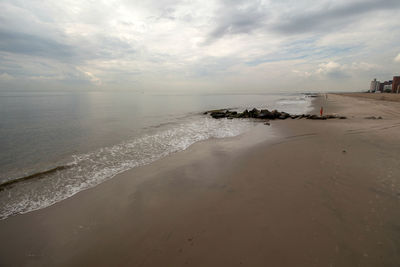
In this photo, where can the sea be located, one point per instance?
(56, 144)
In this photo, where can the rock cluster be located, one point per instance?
(266, 115)
(373, 118)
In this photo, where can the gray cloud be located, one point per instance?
(119, 42)
(235, 17)
(331, 18)
(33, 45)
(76, 52)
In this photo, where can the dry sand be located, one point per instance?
(378, 96)
(318, 193)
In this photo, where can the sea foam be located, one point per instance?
(90, 169)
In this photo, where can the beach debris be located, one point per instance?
(373, 118)
(265, 114)
(311, 95)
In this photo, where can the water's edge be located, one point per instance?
(45, 188)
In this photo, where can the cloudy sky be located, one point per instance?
(200, 46)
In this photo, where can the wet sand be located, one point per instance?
(317, 193)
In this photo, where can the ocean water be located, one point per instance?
(66, 142)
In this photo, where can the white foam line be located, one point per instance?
(91, 169)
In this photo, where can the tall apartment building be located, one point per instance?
(374, 85)
(396, 84)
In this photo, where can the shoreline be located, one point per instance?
(316, 193)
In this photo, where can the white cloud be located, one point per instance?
(363, 66)
(333, 70)
(329, 67)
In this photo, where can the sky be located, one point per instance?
(198, 46)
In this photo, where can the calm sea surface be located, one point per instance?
(85, 138)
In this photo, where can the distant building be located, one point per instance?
(384, 87)
(396, 84)
(381, 86)
(374, 85)
(388, 82)
(387, 88)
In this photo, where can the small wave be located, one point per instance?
(292, 101)
(37, 175)
(43, 189)
(295, 104)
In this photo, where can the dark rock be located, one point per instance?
(316, 117)
(267, 123)
(254, 110)
(232, 114)
(284, 114)
(275, 114)
(373, 118)
(218, 115)
(282, 117)
(254, 113)
(342, 117)
(245, 114)
(264, 114)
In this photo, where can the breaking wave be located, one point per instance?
(45, 188)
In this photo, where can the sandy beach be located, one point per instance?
(296, 193)
(376, 96)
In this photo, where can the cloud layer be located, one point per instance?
(202, 46)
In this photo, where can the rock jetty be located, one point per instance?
(265, 114)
